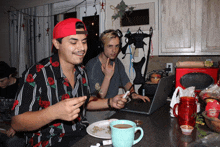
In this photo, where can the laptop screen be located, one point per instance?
(164, 88)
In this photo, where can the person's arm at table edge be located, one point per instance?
(133, 94)
(67, 110)
(98, 103)
(128, 86)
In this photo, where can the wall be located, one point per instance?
(155, 62)
(111, 24)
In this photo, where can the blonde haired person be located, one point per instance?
(108, 71)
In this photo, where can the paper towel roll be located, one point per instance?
(198, 64)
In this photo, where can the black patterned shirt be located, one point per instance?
(43, 85)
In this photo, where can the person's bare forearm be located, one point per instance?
(97, 103)
(30, 121)
(116, 102)
(104, 87)
(129, 86)
(66, 110)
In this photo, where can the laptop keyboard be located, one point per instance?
(138, 105)
(163, 89)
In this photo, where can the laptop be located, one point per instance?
(164, 88)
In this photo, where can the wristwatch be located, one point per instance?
(109, 106)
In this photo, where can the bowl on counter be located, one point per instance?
(212, 119)
(186, 129)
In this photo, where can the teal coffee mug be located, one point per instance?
(123, 131)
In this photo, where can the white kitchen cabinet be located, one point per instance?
(189, 27)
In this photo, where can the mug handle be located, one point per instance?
(140, 137)
(174, 110)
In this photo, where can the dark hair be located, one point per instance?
(59, 40)
(109, 34)
(54, 49)
(79, 25)
(6, 70)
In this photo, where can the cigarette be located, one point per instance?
(126, 94)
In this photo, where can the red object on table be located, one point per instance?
(211, 107)
(187, 110)
(201, 78)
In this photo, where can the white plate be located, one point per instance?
(103, 127)
(2, 130)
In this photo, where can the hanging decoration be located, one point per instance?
(39, 35)
(85, 8)
(120, 10)
(11, 9)
(94, 5)
(152, 49)
(48, 29)
(23, 26)
(102, 4)
(128, 42)
(139, 79)
(137, 40)
(131, 62)
(129, 39)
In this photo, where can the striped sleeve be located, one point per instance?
(28, 94)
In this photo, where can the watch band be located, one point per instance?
(109, 106)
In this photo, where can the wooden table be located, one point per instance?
(159, 130)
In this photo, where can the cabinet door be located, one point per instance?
(208, 27)
(177, 24)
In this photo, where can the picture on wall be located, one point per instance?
(142, 16)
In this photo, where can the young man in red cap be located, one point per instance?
(54, 93)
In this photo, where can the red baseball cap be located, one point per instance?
(66, 28)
